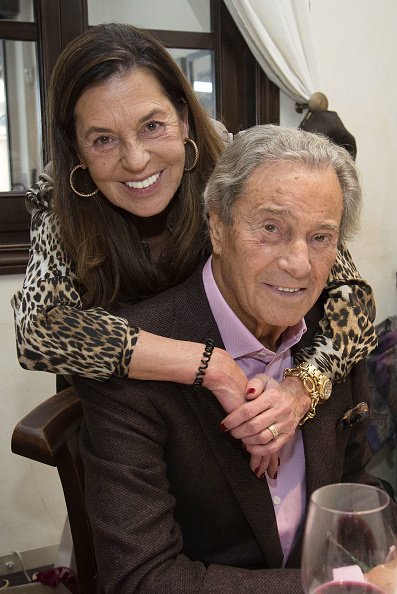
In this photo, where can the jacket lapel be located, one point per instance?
(193, 315)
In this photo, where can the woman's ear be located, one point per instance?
(185, 120)
(80, 159)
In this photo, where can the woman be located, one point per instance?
(131, 150)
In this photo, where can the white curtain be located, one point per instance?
(278, 33)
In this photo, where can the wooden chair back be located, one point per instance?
(50, 435)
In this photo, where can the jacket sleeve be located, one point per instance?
(347, 334)
(138, 542)
(53, 332)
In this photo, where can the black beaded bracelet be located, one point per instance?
(209, 348)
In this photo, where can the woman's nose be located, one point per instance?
(295, 259)
(134, 155)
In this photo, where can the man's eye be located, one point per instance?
(321, 239)
(271, 228)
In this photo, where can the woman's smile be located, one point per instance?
(145, 183)
(131, 138)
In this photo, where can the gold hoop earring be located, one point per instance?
(79, 166)
(196, 153)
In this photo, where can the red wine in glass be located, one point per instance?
(348, 534)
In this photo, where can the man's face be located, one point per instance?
(272, 262)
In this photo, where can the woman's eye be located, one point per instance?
(153, 128)
(102, 141)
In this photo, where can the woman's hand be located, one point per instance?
(279, 405)
(228, 383)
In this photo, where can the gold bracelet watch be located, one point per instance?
(317, 384)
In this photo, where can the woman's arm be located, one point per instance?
(346, 336)
(53, 332)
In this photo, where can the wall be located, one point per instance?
(356, 48)
(32, 510)
(357, 65)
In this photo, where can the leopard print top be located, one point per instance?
(101, 344)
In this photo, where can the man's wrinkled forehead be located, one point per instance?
(266, 186)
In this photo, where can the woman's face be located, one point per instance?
(130, 136)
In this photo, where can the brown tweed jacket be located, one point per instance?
(173, 504)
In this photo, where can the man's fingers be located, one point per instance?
(268, 449)
(244, 413)
(267, 401)
(256, 429)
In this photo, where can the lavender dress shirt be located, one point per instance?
(288, 490)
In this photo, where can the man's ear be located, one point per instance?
(216, 227)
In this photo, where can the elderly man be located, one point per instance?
(173, 503)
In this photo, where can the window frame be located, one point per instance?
(244, 95)
(56, 23)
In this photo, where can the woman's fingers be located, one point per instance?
(273, 466)
(259, 384)
(265, 465)
(258, 464)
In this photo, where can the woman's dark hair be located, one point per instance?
(103, 240)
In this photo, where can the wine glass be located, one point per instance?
(349, 544)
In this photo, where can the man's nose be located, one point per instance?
(134, 155)
(295, 258)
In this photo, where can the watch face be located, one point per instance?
(327, 389)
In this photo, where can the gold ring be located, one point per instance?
(273, 431)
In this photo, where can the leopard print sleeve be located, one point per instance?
(53, 332)
(347, 334)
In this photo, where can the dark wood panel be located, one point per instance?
(13, 214)
(14, 233)
(13, 258)
(74, 20)
(245, 95)
(184, 39)
(267, 99)
(18, 31)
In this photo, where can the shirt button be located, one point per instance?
(276, 500)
